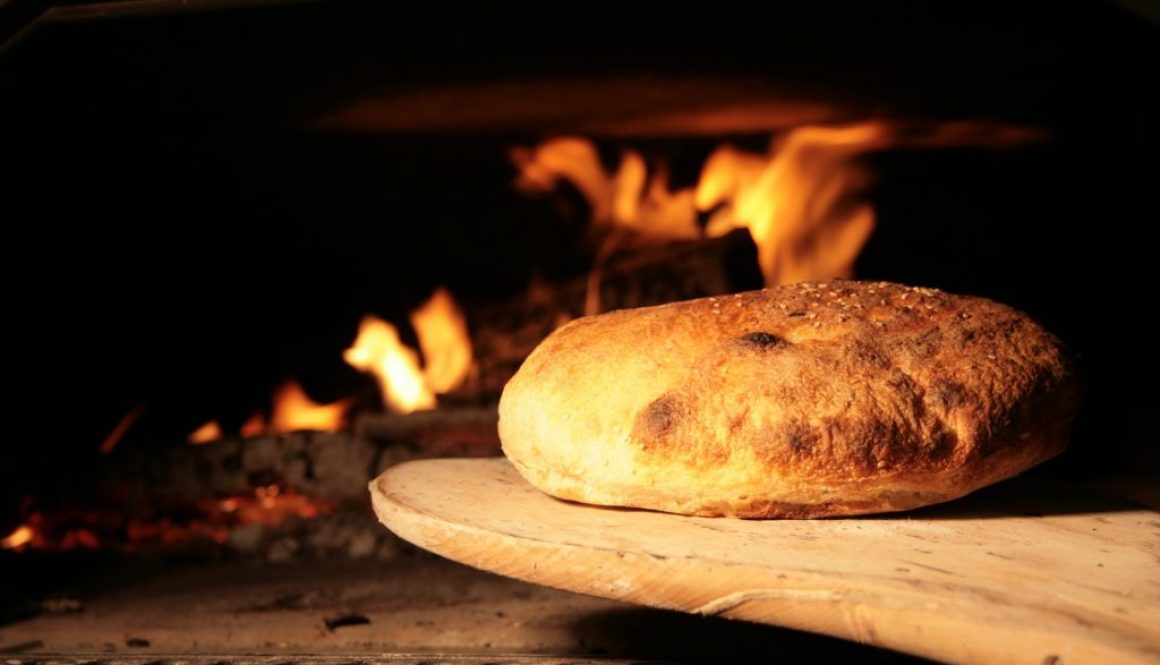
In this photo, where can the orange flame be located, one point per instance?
(378, 350)
(796, 202)
(626, 199)
(211, 431)
(294, 410)
(442, 331)
(18, 538)
(800, 201)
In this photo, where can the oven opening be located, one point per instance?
(261, 252)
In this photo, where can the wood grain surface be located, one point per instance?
(1023, 572)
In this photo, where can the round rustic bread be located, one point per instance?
(809, 400)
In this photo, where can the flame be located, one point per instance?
(626, 199)
(796, 201)
(294, 410)
(442, 331)
(17, 539)
(378, 350)
(800, 200)
(443, 338)
(211, 431)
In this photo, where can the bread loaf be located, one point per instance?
(808, 400)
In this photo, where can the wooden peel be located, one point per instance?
(1018, 573)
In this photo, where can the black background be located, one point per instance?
(175, 237)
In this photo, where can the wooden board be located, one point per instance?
(1024, 572)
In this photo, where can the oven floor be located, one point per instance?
(415, 608)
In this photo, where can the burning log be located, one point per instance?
(504, 333)
(448, 430)
(331, 466)
(273, 496)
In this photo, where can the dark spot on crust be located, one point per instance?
(930, 336)
(870, 444)
(762, 339)
(800, 437)
(941, 443)
(796, 314)
(865, 354)
(661, 416)
(924, 346)
(951, 394)
(966, 336)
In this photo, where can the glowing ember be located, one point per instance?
(255, 425)
(268, 505)
(272, 505)
(378, 350)
(77, 539)
(211, 431)
(294, 410)
(119, 431)
(800, 201)
(18, 538)
(443, 338)
(208, 519)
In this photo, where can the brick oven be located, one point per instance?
(259, 252)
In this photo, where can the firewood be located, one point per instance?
(326, 465)
(431, 430)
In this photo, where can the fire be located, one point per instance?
(255, 425)
(272, 504)
(40, 532)
(294, 410)
(443, 338)
(627, 199)
(796, 201)
(378, 350)
(117, 528)
(406, 386)
(800, 200)
(18, 538)
(211, 431)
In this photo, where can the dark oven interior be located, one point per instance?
(203, 201)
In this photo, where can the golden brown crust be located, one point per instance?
(807, 400)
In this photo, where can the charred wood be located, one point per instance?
(334, 466)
